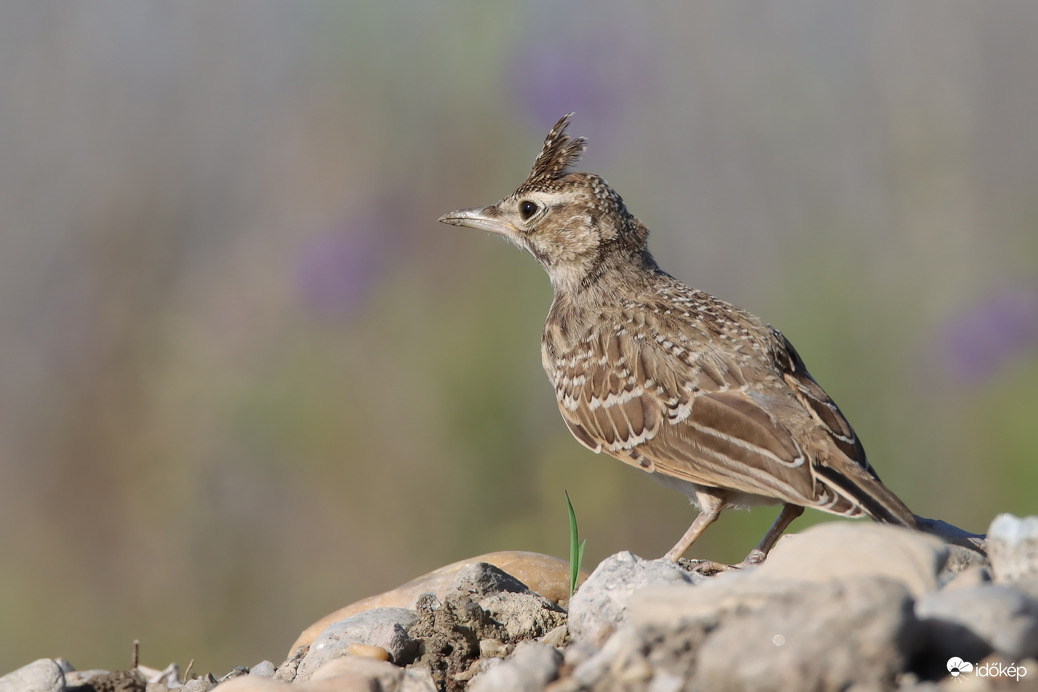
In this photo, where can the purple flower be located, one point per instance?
(596, 72)
(979, 343)
(337, 270)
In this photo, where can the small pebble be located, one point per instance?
(368, 651)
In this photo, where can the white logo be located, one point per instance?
(994, 669)
(956, 666)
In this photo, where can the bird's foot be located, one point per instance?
(755, 557)
(707, 568)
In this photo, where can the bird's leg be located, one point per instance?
(785, 518)
(710, 505)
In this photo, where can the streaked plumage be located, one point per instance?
(707, 397)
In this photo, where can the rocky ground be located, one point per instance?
(841, 606)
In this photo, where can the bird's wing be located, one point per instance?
(689, 416)
(845, 473)
(818, 404)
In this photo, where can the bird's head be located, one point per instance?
(573, 223)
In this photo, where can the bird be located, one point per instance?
(704, 396)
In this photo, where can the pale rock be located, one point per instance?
(263, 669)
(542, 574)
(603, 599)
(202, 683)
(1013, 548)
(529, 669)
(557, 637)
(590, 665)
(522, 613)
(42, 675)
(968, 578)
(788, 643)
(1002, 617)
(253, 683)
(382, 627)
(417, 680)
(77, 678)
(386, 674)
(65, 665)
(838, 551)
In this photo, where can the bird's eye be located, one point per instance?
(527, 209)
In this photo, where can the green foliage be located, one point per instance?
(576, 550)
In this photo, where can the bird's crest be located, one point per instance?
(558, 154)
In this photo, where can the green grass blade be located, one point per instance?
(576, 549)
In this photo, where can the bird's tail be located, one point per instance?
(865, 489)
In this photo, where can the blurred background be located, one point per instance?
(246, 378)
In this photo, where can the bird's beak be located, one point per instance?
(481, 218)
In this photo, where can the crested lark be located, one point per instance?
(709, 399)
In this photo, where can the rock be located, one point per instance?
(382, 627)
(168, 676)
(204, 683)
(417, 680)
(367, 651)
(603, 599)
(77, 678)
(530, 668)
(590, 667)
(970, 577)
(485, 610)
(522, 613)
(65, 665)
(542, 574)
(557, 638)
(253, 683)
(1013, 548)
(42, 675)
(998, 616)
(263, 669)
(838, 551)
(448, 637)
(825, 636)
(761, 634)
(380, 675)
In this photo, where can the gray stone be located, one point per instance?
(484, 579)
(384, 627)
(417, 680)
(657, 605)
(968, 578)
(602, 600)
(1002, 617)
(76, 678)
(522, 613)
(168, 676)
(529, 669)
(264, 669)
(838, 551)
(65, 665)
(199, 684)
(42, 675)
(590, 667)
(823, 636)
(739, 632)
(1013, 548)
